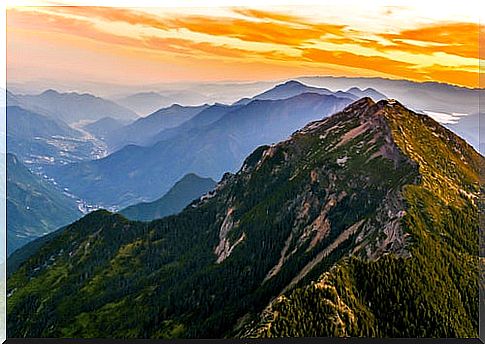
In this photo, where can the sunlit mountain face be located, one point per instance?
(337, 221)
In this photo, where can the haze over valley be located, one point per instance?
(106, 156)
(243, 172)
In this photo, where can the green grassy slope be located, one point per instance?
(339, 188)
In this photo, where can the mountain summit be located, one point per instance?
(361, 224)
(368, 92)
(293, 88)
(190, 187)
(72, 107)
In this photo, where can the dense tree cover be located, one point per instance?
(106, 276)
(432, 293)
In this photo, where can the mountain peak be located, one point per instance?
(187, 189)
(392, 103)
(353, 199)
(73, 94)
(368, 92)
(364, 114)
(355, 88)
(365, 101)
(290, 89)
(360, 107)
(366, 106)
(291, 83)
(49, 91)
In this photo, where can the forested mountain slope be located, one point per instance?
(364, 223)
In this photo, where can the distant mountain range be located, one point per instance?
(25, 124)
(40, 140)
(420, 96)
(200, 121)
(145, 103)
(187, 189)
(135, 173)
(368, 92)
(432, 96)
(70, 107)
(441, 97)
(141, 131)
(103, 127)
(151, 129)
(34, 207)
(361, 224)
(290, 89)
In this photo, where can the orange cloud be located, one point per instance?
(250, 31)
(291, 19)
(280, 30)
(113, 14)
(54, 23)
(461, 39)
(380, 64)
(288, 30)
(233, 28)
(452, 75)
(376, 63)
(283, 17)
(191, 48)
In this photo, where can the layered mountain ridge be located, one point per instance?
(293, 88)
(40, 140)
(361, 224)
(140, 131)
(128, 175)
(190, 187)
(70, 107)
(34, 207)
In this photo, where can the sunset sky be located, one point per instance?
(148, 45)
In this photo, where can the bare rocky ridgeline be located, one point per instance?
(363, 127)
(370, 186)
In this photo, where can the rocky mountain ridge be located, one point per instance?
(361, 224)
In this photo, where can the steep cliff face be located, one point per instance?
(419, 276)
(353, 226)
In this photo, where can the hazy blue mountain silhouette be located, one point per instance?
(135, 174)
